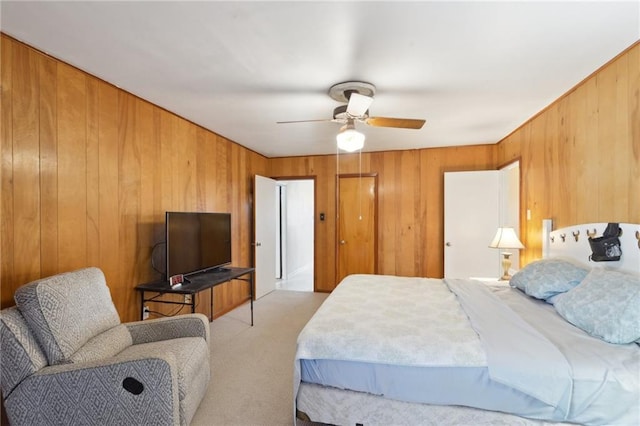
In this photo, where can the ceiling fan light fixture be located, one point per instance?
(349, 139)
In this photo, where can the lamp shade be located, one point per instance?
(349, 139)
(506, 238)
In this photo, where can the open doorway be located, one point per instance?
(295, 235)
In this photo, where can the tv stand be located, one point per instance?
(195, 284)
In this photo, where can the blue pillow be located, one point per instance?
(606, 305)
(546, 278)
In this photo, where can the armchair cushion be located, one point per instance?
(104, 345)
(66, 310)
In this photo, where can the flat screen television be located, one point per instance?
(197, 242)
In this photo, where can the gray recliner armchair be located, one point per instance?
(67, 359)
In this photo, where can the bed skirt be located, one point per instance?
(326, 405)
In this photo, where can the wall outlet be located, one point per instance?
(187, 298)
(145, 312)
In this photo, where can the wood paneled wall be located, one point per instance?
(88, 171)
(580, 157)
(410, 204)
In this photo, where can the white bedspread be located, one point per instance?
(386, 326)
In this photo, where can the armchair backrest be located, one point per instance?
(21, 355)
(67, 310)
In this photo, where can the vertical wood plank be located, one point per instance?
(405, 234)
(147, 139)
(586, 167)
(128, 196)
(108, 183)
(202, 167)
(93, 170)
(433, 181)
(7, 225)
(48, 166)
(72, 168)
(206, 191)
(157, 212)
(420, 218)
(158, 202)
(26, 165)
(183, 171)
(388, 214)
(622, 169)
(556, 139)
(235, 210)
(606, 206)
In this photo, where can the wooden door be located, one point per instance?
(357, 225)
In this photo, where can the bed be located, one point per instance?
(560, 345)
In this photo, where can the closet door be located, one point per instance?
(471, 219)
(357, 224)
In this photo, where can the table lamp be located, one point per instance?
(506, 238)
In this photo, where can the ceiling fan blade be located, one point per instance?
(305, 121)
(358, 104)
(403, 123)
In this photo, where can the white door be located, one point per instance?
(265, 208)
(471, 219)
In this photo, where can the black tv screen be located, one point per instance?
(196, 242)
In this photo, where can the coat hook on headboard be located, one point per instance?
(592, 234)
(563, 236)
(638, 238)
(554, 238)
(575, 234)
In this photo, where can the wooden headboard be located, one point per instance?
(572, 242)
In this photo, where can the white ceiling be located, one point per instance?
(474, 70)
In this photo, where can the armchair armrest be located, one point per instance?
(188, 325)
(134, 389)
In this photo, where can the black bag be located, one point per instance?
(607, 247)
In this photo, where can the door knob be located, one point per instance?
(448, 244)
(342, 242)
(256, 244)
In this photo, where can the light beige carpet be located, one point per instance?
(252, 367)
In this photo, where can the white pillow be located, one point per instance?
(606, 304)
(546, 278)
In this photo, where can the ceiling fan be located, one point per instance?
(358, 95)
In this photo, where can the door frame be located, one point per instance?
(315, 216)
(521, 213)
(374, 175)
